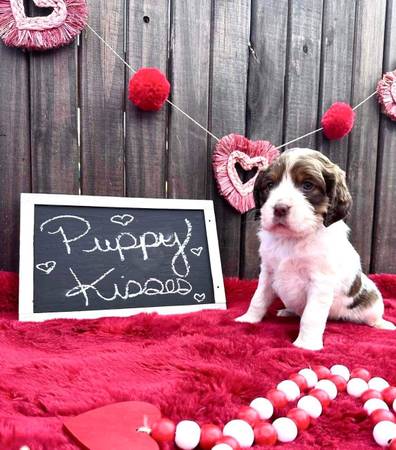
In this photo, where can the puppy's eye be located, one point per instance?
(270, 185)
(307, 186)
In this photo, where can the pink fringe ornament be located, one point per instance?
(59, 28)
(233, 149)
(386, 91)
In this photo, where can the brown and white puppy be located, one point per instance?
(306, 258)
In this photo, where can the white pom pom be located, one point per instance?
(343, 371)
(222, 447)
(356, 387)
(374, 403)
(329, 387)
(286, 429)
(188, 434)
(311, 405)
(263, 406)
(384, 432)
(290, 389)
(310, 377)
(241, 431)
(378, 383)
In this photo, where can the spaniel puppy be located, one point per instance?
(306, 258)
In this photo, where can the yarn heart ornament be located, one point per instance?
(60, 27)
(386, 91)
(116, 427)
(236, 149)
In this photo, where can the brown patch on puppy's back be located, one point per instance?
(356, 286)
(363, 299)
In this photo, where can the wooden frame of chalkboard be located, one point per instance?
(55, 254)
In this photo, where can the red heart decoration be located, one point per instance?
(115, 426)
(233, 149)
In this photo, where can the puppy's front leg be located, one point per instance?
(314, 318)
(261, 300)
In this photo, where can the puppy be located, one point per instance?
(306, 258)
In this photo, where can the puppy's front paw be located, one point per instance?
(249, 318)
(309, 344)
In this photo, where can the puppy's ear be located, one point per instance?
(259, 193)
(340, 200)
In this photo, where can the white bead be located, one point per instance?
(384, 432)
(356, 387)
(241, 431)
(378, 383)
(394, 405)
(311, 405)
(329, 387)
(310, 377)
(290, 389)
(374, 403)
(24, 447)
(263, 406)
(188, 434)
(343, 371)
(222, 447)
(286, 429)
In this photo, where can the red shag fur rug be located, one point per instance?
(200, 366)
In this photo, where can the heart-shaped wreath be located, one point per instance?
(236, 149)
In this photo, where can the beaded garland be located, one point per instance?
(314, 388)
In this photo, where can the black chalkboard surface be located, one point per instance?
(87, 256)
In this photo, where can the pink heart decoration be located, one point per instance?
(233, 149)
(115, 427)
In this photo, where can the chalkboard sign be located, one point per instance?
(87, 257)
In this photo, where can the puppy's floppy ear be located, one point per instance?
(340, 200)
(259, 193)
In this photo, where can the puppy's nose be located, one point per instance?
(281, 210)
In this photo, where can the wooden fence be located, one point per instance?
(264, 68)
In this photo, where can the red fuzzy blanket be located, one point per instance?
(200, 366)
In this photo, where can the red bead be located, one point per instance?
(163, 430)
(392, 445)
(249, 415)
(322, 396)
(359, 372)
(265, 434)
(389, 394)
(277, 398)
(210, 434)
(300, 417)
(300, 381)
(370, 393)
(233, 443)
(322, 372)
(381, 414)
(339, 381)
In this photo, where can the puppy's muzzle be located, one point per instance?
(281, 210)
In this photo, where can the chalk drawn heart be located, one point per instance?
(115, 427)
(199, 297)
(233, 149)
(46, 267)
(123, 220)
(197, 251)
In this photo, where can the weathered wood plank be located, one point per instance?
(102, 97)
(145, 151)
(53, 117)
(231, 28)
(362, 161)
(336, 69)
(14, 150)
(267, 63)
(384, 243)
(303, 71)
(190, 55)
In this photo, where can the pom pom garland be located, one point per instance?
(252, 425)
(338, 121)
(148, 89)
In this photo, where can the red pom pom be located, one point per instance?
(338, 120)
(265, 434)
(149, 89)
(210, 435)
(163, 430)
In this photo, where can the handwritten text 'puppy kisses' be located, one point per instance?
(121, 245)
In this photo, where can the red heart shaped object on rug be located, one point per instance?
(115, 426)
(233, 149)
